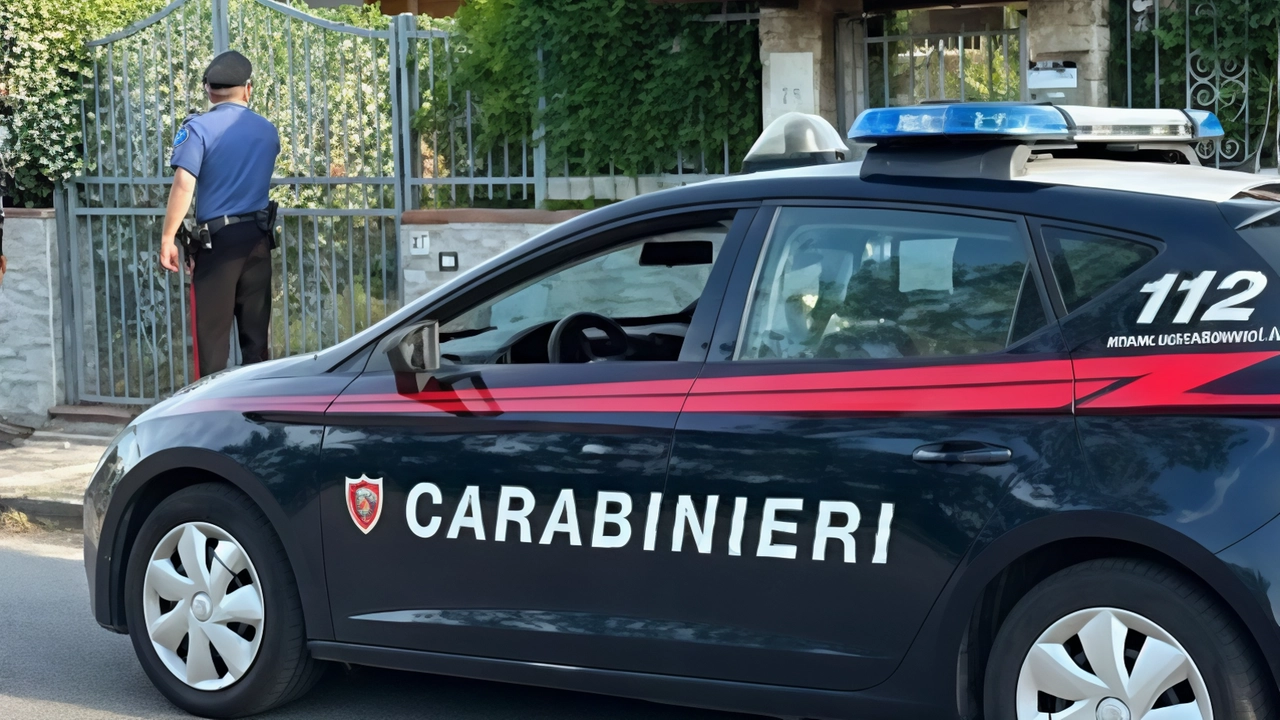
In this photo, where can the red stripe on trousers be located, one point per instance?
(195, 336)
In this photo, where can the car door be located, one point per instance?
(879, 378)
(515, 489)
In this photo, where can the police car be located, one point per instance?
(984, 425)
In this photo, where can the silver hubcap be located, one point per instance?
(1110, 664)
(203, 605)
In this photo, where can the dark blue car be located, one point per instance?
(985, 425)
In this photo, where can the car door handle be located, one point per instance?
(971, 453)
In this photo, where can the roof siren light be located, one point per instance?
(795, 140)
(976, 120)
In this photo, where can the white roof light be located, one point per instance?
(1129, 124)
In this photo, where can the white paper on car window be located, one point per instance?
(926, 264)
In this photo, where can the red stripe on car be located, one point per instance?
(1099, 385)
(1166, 381)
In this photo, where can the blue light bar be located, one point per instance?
(1026, 122)
(1208, 127)
(991, 120)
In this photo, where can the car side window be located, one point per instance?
(651, 285)
(1086, 264)
(850, 283)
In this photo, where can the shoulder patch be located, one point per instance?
(181, 136)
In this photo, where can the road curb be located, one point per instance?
(109, 414)
(63, 514)
(82, 438)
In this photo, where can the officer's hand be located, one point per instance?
(169, 255)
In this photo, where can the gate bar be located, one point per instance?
(221, 27)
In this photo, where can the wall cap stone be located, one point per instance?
(15, 213)
(486, 215)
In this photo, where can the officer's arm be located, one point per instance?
(184, 187)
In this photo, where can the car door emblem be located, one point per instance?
(364, 501)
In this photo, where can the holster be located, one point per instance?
(266, 219)
(188, 241)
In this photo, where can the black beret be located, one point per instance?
(230, 69)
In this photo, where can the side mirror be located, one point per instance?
(415, 349)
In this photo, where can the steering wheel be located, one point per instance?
(559, 350)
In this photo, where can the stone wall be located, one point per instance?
(1075, 30)
(807, 27)
(31, 377)
(475, 235)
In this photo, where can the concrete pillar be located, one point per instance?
(31, 379)
(793, 39)
(1075, 30)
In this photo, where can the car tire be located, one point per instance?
(267, 663)
(1120, 605)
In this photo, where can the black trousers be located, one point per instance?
(232, 281)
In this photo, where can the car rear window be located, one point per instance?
(1087, 264)
(1264, 237)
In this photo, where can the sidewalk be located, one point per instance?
(46, 474)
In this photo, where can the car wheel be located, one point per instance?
(1123, 639)
(213, 608)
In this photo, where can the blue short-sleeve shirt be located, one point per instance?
(231, 150)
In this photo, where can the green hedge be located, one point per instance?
(625, 81)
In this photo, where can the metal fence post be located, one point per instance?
(412, 102)
(221, 26)
(68, 264)
(397, 115)
(1024, 60)
(540, 145)
(398, 46)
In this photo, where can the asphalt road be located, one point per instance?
(55, 662)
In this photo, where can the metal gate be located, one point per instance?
(371, 124)
(895, 68)
(334, 91)
(1202, 54)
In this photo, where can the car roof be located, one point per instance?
(1184, 181)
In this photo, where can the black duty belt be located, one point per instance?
(218, 223)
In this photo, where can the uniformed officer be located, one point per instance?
(229, 152)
